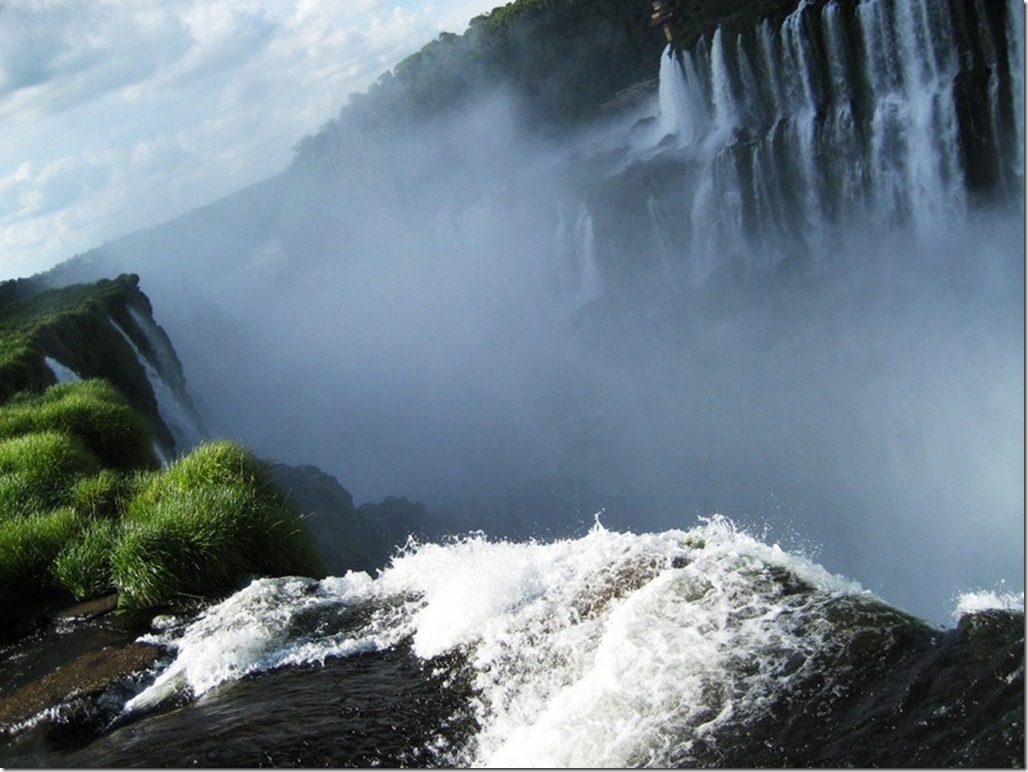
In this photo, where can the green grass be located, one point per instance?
(37, 471)
(103, 494)
(76, 326)
(205, 522)
(28, 547)
(83, 566)
(94, 412)
(84, 510)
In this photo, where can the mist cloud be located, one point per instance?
(525, 330)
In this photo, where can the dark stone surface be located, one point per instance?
(87, 676)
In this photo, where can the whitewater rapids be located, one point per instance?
(612, 649)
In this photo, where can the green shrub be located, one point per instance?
(83, 566)
(205, 523)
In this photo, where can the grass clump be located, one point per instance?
(103, 494)
(205, 522)
(28, 547)
(94, 412)
(37, 471)
(84, 510)
(83, 566)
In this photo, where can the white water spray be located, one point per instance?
(614, 649)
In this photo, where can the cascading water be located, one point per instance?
(680, 110)
(172, 403)
(809, 133)
(679, 648)
(578, 274)
(61, 372)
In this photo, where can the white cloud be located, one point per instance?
(118, 114)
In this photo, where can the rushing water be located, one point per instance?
(612, 649)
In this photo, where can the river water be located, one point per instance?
(682, 648)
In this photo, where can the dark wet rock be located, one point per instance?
(379, 709)
(62, 683)
(892, 691)
(89, 609)
(86, 677)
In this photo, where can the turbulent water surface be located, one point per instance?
(705, 646)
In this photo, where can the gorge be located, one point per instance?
(659, 373)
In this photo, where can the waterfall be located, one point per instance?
(578, 275)
(681, 109)
(62, 373)
(880, 115)
(173, 406)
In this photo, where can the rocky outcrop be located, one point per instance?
(350, 538)
(70, 674)
(102, 330)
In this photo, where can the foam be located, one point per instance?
(610, 649)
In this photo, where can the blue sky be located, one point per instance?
(121, 114)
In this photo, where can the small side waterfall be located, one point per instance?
(578, 274)
(61, 372)
(173, 404)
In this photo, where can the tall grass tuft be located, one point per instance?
(91, 410)
(38, 470)
(103, 494)
(83, 566)
(28, 547)
(206, 522)
(85, 510)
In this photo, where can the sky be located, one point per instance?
(116, 115)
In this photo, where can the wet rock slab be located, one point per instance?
(88, 675)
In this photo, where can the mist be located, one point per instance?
(521, 332)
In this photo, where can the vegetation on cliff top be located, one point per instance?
(84, 327)
(560, 60)
(84, 509)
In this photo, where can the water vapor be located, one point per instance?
(520, 332)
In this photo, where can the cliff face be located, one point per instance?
(104, 330)
(107, 330)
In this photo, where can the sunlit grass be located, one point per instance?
(83, 566)
(38, 470)
(94, 412)
(205, 522)
(84, 511)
